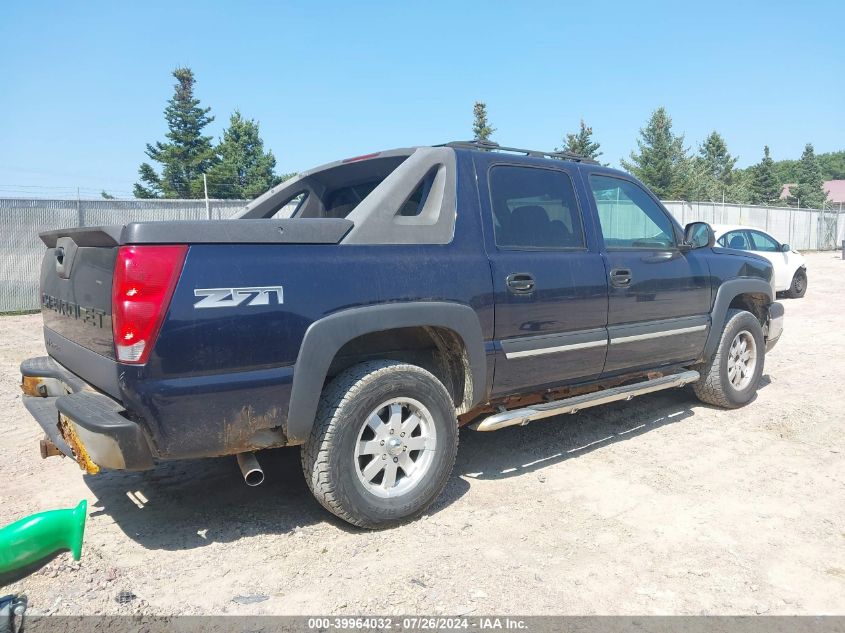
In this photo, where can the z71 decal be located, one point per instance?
(234, 297)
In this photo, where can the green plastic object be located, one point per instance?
(37, 536)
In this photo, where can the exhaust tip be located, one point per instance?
(250, 469)
(254, 478)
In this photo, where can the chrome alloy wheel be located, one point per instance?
(742, 360)
(395, 447)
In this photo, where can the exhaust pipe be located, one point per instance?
(250, 468)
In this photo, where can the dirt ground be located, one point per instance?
(658, 506)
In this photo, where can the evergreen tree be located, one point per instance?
(243, 170)
(106, 195)
(809, 191)
(481, 130)
(661, 162)
(764, 185)
(717, 163)
(832, 165)
(187, 154)
(582, 142)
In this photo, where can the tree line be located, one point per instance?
(664, 163)
(189, 163)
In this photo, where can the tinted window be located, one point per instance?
(763, 242)
(341, 201)
(735, 239)
(629, 217)
(534, 208)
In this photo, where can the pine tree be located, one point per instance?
(662, 161)
(809, 191)
(187, 154)
(716, 161)
(481, 129)
(764, 184)
(243, 170)
(582, 143)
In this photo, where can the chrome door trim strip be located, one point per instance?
(551, 350)
(660, 334)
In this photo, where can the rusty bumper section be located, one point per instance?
(80, 422)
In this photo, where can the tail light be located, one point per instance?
(144, 279)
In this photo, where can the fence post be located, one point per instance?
(205, 188)
(80, 217)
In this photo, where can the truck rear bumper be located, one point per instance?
(83, 423)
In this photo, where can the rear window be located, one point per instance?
(335, 192)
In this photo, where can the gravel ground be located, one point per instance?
(662, 505)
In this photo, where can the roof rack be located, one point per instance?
(490, 146)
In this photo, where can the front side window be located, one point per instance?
(534, 208)
(629, 217)
(763, 242)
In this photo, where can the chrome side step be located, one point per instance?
(576, 403)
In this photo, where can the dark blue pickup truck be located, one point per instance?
(367, 309)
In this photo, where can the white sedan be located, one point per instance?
(790, 269)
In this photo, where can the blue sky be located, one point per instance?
(84, 84)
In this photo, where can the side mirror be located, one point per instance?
(699, 235)
(785, 248)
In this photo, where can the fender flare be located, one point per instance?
(726, 293)
(326, 336)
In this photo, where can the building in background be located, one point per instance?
(835, 190)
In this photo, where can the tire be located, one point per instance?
(357, 442)
(798, 287)
(720, 384)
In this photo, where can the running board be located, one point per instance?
(576, 403)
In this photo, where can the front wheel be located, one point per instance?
(383, 444)
(798, 287)
(731, 377)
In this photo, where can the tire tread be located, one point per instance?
(709, 388)
(345, 388)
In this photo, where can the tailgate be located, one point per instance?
(76, 287)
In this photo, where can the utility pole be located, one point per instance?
(207, 205)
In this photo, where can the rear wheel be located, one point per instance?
(730, 379)
(383, 444)
(799, 284)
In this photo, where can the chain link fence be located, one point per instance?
(21, 220)
(803, 229)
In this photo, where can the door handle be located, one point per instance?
(620, 277)
(520, 283)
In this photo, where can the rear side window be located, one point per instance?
(735, 239)
(534, 208)
(629, 217)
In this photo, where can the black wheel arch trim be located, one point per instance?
(727, 292)
(326, 336)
